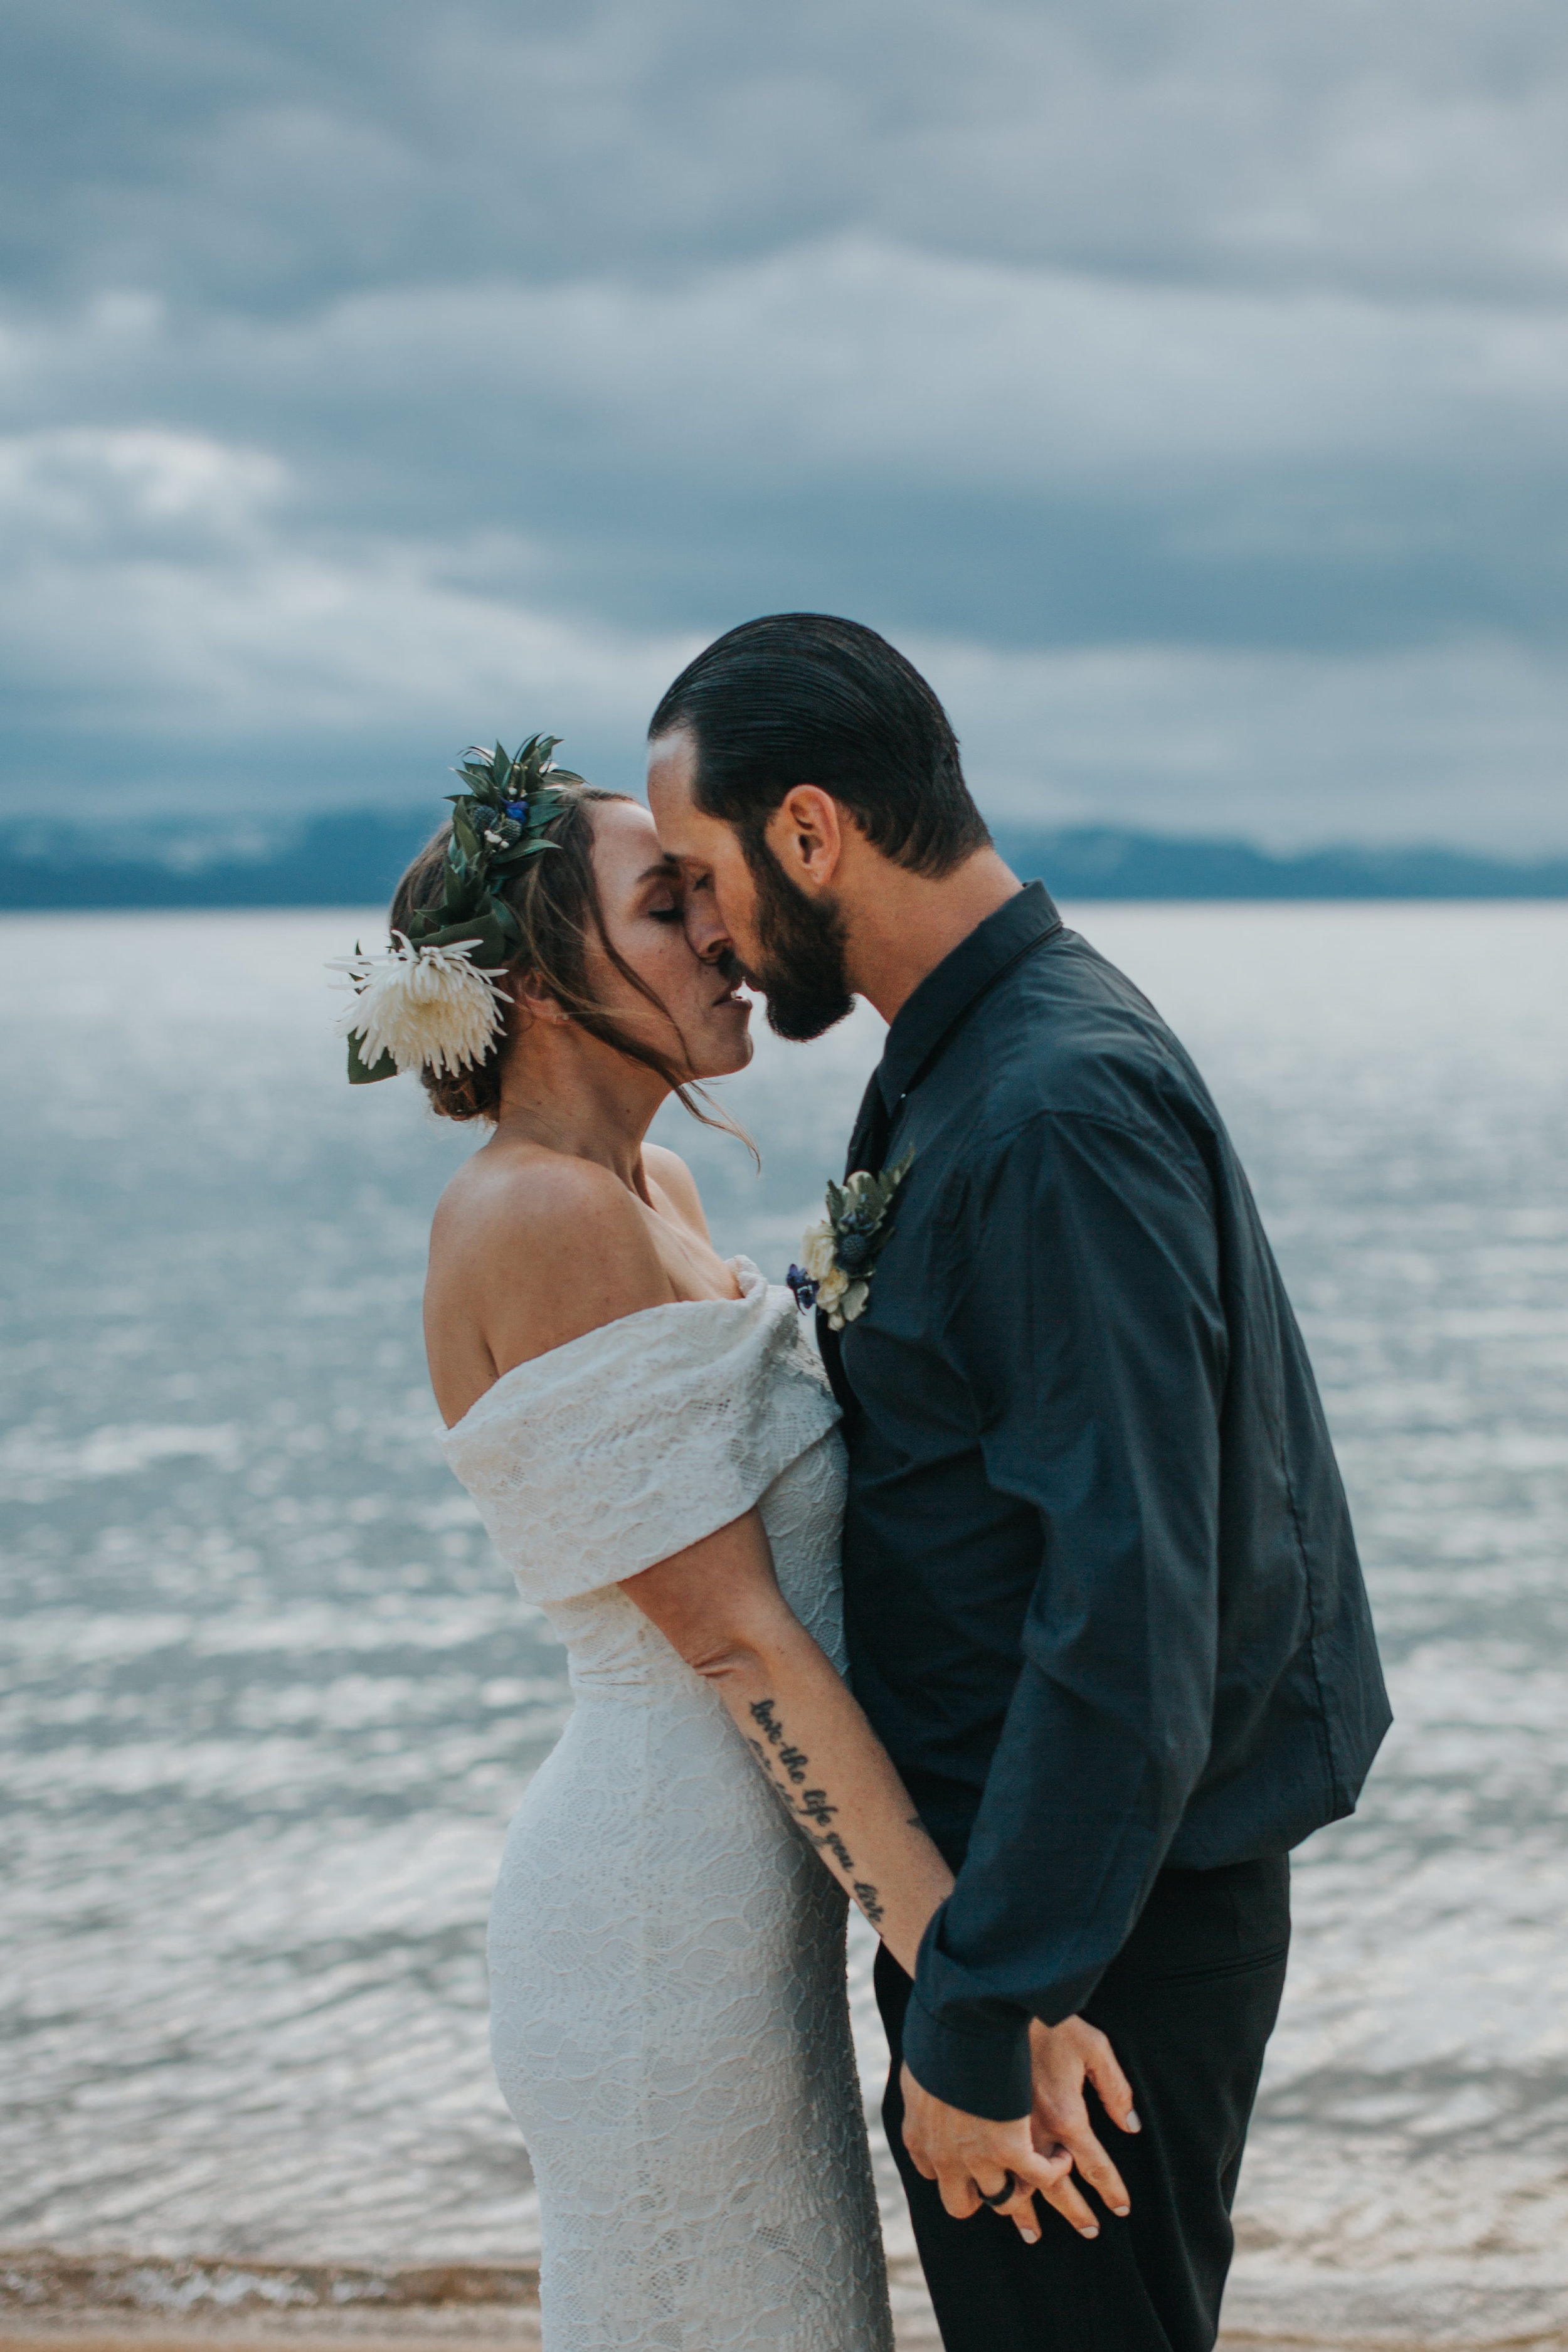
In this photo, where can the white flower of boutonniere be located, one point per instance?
(838, 1256)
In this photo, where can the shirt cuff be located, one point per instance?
(985, 2071)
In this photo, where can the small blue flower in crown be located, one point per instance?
(841, 1252)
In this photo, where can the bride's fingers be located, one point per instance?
(1104, 2071)
(1065, 2197)
(1020, 2210)
(1051, 2169)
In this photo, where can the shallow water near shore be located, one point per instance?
(268, 1699)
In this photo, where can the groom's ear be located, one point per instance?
(806, 834)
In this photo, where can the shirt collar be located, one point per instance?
(926, 1019)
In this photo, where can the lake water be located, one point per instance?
(270, 1700)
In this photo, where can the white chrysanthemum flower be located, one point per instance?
(816, 1252)
(429, 1008)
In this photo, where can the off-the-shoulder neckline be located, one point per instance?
(757, 1284)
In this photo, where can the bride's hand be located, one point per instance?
(1062, 2058)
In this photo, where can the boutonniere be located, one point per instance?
(840, 1254)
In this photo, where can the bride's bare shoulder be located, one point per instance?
(522, 1188)
(546, 1222)
(669, 1172)
(530, 1249)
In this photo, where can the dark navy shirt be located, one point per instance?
(1102, 1598)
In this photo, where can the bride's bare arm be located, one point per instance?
(718, 1604)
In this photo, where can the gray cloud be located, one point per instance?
(265, 150)
(1187, 384)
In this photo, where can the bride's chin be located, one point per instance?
(724, 1061)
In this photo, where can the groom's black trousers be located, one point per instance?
(1188, 2004)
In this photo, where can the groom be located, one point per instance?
(1102, 1599)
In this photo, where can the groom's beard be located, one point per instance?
(800, 968)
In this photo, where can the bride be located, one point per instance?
(653, 1449)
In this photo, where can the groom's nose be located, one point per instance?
(706, 933)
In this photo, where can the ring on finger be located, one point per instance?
(998, 2197)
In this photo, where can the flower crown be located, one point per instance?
(425, 1004)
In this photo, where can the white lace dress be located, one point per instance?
(669, 2015)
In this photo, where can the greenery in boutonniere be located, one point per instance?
(840, 1254)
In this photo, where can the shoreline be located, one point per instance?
(127, 2303)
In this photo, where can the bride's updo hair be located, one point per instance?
(556, 901)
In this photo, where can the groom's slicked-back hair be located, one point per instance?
(806, 699)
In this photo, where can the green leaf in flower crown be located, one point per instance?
(494, 945)
(363, 1073)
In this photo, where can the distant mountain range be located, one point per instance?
(1099, 862)
(350, 858)
(354, 857)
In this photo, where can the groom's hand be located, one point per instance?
(1062, 2059)
(966, 2154)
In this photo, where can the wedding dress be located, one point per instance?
(669, 2015)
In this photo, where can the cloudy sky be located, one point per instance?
(1183, 386)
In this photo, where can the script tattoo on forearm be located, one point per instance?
(811, 1808)
(790, 1759)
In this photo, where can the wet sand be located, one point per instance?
(54, 2303)
(121, 2303)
